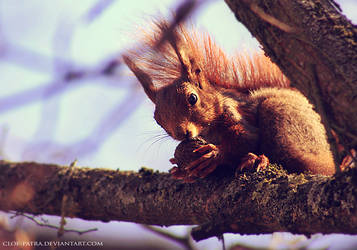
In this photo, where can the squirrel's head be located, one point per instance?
(185, 109)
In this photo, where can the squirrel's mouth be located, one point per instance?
(185, 131)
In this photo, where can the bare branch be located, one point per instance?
(270, 19)
(184, 241)
(45, 224)
(97, 9)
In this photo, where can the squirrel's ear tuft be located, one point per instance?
(190, 65)
(186, 54)
(143, 78)
(181, 52)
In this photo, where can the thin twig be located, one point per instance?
(270, 19)
(44, 224)
(184, 241)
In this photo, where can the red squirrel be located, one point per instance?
(242, 106)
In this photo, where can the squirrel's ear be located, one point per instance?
(194, 73)
(190, 68)
(143, 78)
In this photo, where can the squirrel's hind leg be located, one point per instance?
(292, 134)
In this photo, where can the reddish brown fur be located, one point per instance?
(241, 71)
(241, 107)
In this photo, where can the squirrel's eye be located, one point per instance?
(192, 99)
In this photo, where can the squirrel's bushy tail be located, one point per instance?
(158, 56)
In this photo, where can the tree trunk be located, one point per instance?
(316, 47)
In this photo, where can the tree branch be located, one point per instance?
(251, 203)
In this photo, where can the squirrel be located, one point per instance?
(242, 106)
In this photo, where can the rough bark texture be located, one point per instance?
(250, 203)
(316, 47)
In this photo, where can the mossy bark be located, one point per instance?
(315, 45)
(249, 203)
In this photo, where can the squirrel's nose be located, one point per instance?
(188, 134)
(191, 130)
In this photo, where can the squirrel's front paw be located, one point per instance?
(254, 161)
(195, 158)
(206, 163)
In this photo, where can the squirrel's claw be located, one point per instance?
(173, 161)
(254, 161)
(179, 174)
(349, 160)
(206, 148)
(204, 168)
